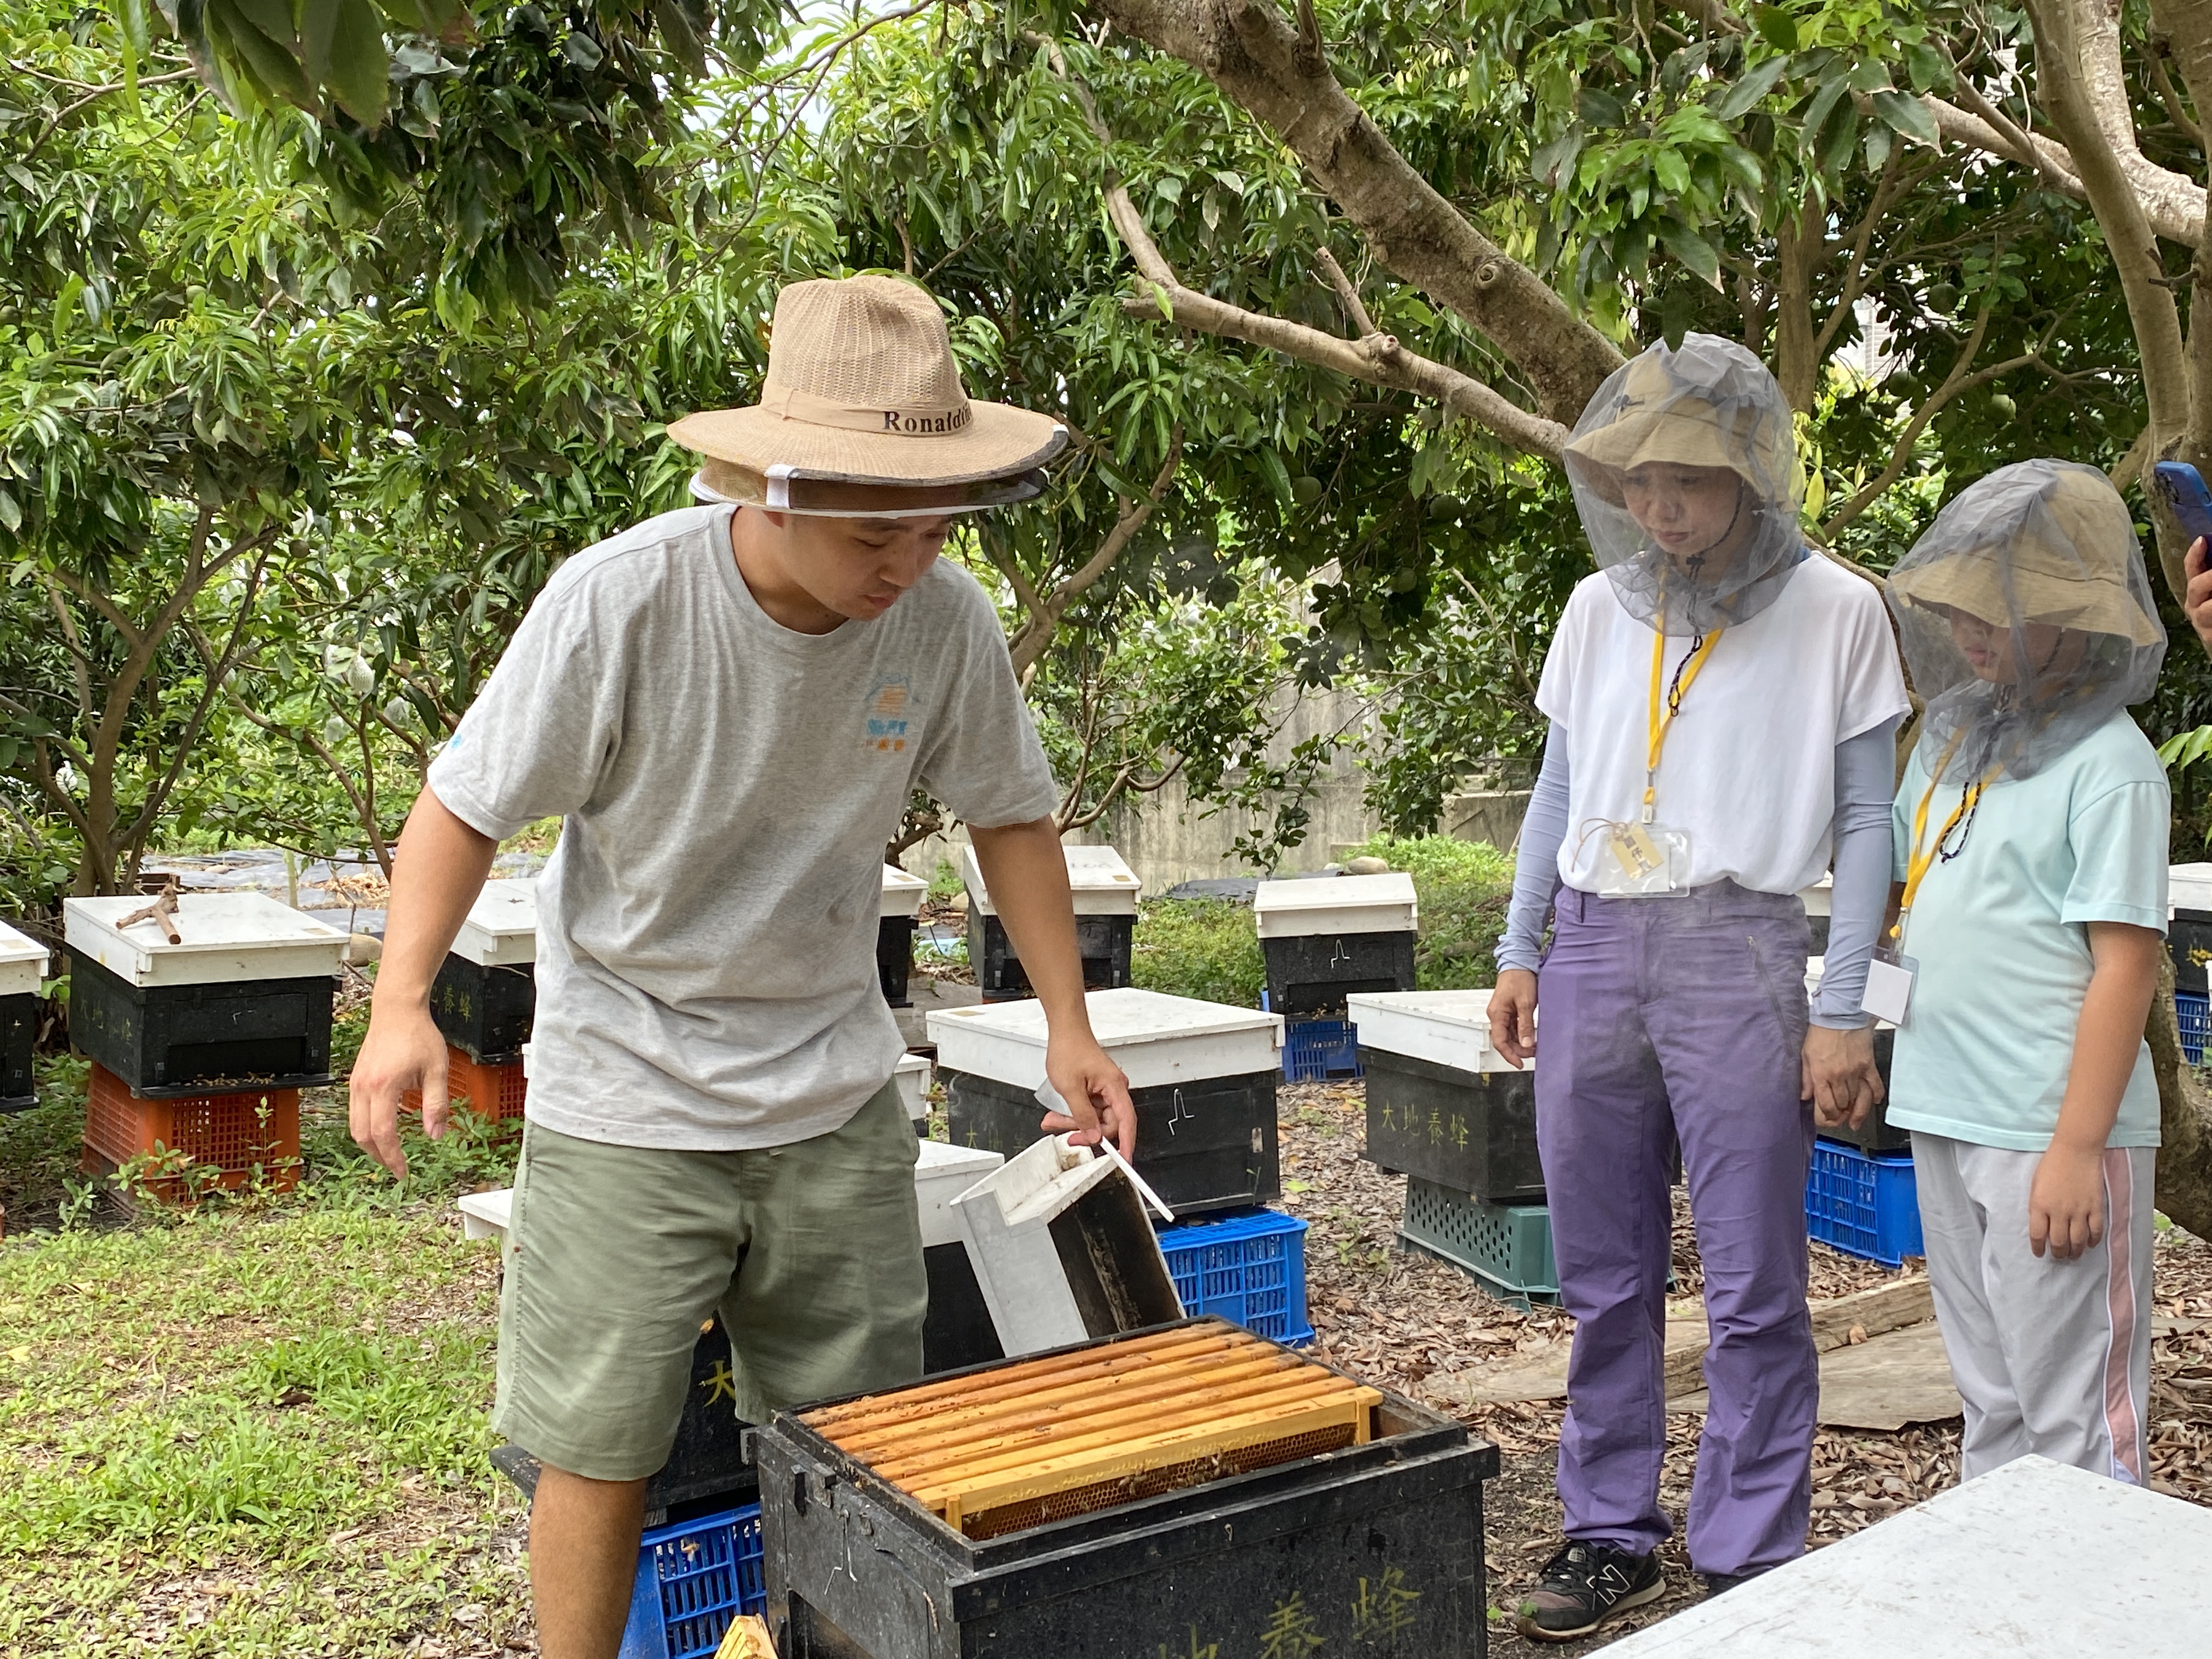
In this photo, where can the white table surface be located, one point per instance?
(2034, 1558)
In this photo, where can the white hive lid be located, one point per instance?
(1154, 1038)
(941, 1174)
(911, 1076)
(1445, 1027)
(1098, 881)
(1817, 897)
(224, 938)
(22, 963)
(1336, 904)
(902, 893)
(2188, 887)
(501, 930)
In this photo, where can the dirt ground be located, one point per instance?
(1414, 1324)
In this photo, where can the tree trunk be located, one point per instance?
(2184, 1162)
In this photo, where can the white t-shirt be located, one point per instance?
(1749, 767)
(707, 928)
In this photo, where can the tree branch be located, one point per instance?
(1377, 359)
(1249, 52)
(1901, 454)
(1029, 642)
(1362, 324)
(2172, 204)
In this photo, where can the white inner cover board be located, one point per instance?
(226, 938)
(1100, 882)
(1336, 904)
(1155, 1038)
(501, 930)
(1445, 1027)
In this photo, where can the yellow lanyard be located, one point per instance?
(1662, 722)
(1920, 863)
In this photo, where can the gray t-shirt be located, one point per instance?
(706, 938)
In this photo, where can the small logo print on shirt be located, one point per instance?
(889, 726)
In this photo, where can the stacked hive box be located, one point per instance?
(1442, 1104)
(1326, 938)
(896, 912)
(1817, 900)
(201, 1046)
(1202, 1076)
(957, 1330)
(1191, 1489)
(484, 1001)
(1105, 892)
(23, 969)
(912, 1075)
(1459, 1120)
(2188, 937)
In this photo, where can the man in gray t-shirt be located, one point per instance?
(729, 707)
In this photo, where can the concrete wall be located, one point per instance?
(1167, 839)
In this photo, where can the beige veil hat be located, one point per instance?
(2051, 544)
(862, 388)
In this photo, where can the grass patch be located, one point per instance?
(1202, 948)
(1464, 887)
(238, 1432)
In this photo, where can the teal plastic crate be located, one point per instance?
(1250, 1269)
(694, 1579)
(1507, 1246)
(1864, 1204)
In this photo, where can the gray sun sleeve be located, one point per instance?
(1536, 875)
(1866, 781)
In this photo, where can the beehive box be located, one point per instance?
(1328, 938)
(1192, 1491)
(243, 998)
(895, 917)
(1104, 891)
(957, 1330)
(485, 997)
(2189, 924)
(1202, 1077)
(912, 1075)
(1442, 1103)
(22, 970)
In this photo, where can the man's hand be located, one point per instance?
(1836, 1073)
(404, 1050)
(2066, 1203)
(2196, 599)
(1096, 1093)
(1513, 1015)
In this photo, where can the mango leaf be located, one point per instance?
(1776, 27)
(1906, 116)
(1749, 89)
(1673, 172)
(1692, 250)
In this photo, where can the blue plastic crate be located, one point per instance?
(1316, 1050)
(1864, 1204)
(1248, 1268)
(694, 1579)
(2193, 1011)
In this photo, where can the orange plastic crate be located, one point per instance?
(490, 1092)
(237, 1133)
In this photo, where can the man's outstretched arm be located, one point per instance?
(437, 872)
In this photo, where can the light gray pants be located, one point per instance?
(2050, 1357)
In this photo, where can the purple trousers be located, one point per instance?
(1666, 1020)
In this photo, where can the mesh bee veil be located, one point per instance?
(2027, 618)
(1707, 404)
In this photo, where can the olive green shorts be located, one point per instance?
(616, 1256)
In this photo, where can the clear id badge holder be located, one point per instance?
(1642, 860)
(1889, 984)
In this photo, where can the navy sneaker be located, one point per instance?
(1583, 1586)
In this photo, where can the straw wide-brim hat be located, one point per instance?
(1661, 419)
(2060, 555)
(862, 388)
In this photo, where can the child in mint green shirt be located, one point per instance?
(2031, 828)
